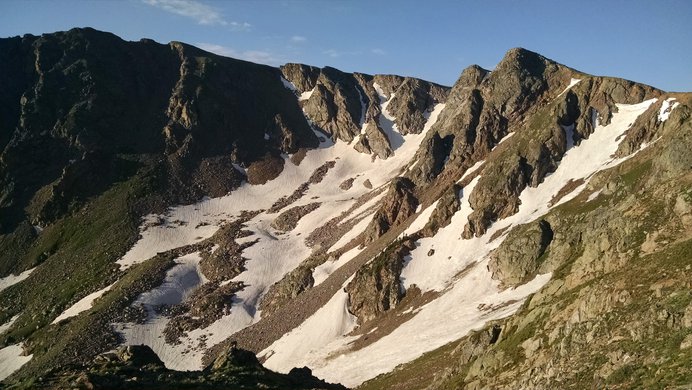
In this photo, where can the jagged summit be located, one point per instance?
(528, 227)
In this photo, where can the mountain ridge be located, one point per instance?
(372, 199)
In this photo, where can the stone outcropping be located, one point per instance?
(520, 259)
(138, 367)
(399, 204)
(376, 287)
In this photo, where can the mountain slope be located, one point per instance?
(345, 222)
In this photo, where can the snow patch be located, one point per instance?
(505, 138)
(645, 145)
(330, 322)
(353, 233)
(322, 271)
(594, 195)
(180, 282)
(4, 327)
(666, 108)
(289, 85)
(471, 170)
(421, 220)
(10, 280)
(11, 360)
(387, 121)
(306, 95)
(572, 83)
(569, 135)
(82, 305)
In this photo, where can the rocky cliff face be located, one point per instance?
(347, 106)
(139, 99)
(162, 195)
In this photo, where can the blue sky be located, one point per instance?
(645, 41)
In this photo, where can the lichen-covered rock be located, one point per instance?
(268, 168)
(518, 258)
(413, 98)
(294, 283)
(347, 184)
(302, 76)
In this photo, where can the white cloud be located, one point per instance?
(200, 12)
(218, 49)
(332, 53)
(238, 26)
(258, 56)
(337, 53)
(378, 52)
(298, 39)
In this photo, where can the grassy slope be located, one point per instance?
(76, 256)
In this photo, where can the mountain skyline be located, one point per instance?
(434, 42)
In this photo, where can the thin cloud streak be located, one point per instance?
(257, 56)
(333, 53)
(198, 11)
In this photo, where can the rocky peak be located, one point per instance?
(523, 60)
(347, 106)
(471, 77)
(302, 76)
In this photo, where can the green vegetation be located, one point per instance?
(77, 256)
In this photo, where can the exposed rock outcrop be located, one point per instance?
(374, 141)
(347, 106)
(518, 261)
(399, 203)
(447, 206)
(138, 367)
(288, 220)
(376, 287)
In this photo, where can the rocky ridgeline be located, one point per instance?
(398, 204)
(139, 99)
(344, 105)
(96, 132)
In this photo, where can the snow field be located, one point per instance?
(325, 326)
(322, 271)
(180, 282)
(274, 255)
